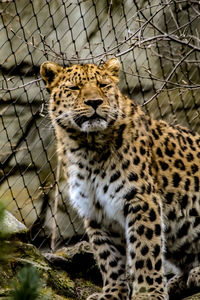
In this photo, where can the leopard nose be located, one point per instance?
(94, 103)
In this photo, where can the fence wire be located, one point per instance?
(158, 45)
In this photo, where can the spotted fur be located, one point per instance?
(135, 181)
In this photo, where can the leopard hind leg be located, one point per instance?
(193, 281)
(183, 285)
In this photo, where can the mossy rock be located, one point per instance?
(61, 283)
(56, 282)
(194, 297)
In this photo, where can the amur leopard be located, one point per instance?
(135, 181)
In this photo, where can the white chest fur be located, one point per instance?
(92, 194)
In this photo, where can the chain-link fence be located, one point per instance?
(158, 45)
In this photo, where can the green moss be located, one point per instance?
(61, 283)
(2, 212)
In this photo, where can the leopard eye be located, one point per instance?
(74, 88)
(102, 85)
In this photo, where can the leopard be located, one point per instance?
(134, 181)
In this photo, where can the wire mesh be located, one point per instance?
(158, 45)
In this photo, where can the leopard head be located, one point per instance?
(83, 97)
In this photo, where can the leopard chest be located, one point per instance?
(96, 192)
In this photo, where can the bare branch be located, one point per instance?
(20, 86)
(168, 82)
(169, 76)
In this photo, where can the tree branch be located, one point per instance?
(168, 77)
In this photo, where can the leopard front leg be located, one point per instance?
(144, 240)
(110, 253)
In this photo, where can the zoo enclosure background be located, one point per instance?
(158, 45)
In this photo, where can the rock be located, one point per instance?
(56, 283)
(9, 225)
(194, 297)
(78, 261)
(70, 273)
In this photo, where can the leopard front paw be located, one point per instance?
(120, 291)
(94, 296)
(155, 295)
(149, 297)
(106, 296)
(110, 297)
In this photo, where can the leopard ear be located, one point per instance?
(49, 72)
(112, 66)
